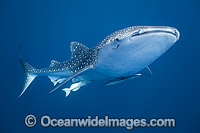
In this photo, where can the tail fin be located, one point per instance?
(28, 70)
(67, 91)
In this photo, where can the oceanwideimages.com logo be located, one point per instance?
(47, 121)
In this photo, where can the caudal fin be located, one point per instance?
(67, 91)
(28, 70)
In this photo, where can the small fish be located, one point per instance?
(75, 87)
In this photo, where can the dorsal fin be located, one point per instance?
(53, 63)
(77, 49)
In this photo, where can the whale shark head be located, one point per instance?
(143, 34)
(164, 37)
(131, 49)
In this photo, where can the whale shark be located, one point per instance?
(123, 55)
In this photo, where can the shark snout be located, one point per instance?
(168, 30)
(176, 33)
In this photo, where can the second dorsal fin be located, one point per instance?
(77, 49)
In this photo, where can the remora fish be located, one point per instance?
(123, 55)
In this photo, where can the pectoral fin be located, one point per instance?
(146, 72)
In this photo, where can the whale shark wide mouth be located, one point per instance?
(174, 32)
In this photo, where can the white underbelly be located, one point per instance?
(129, 59)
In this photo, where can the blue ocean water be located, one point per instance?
(45, 30)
